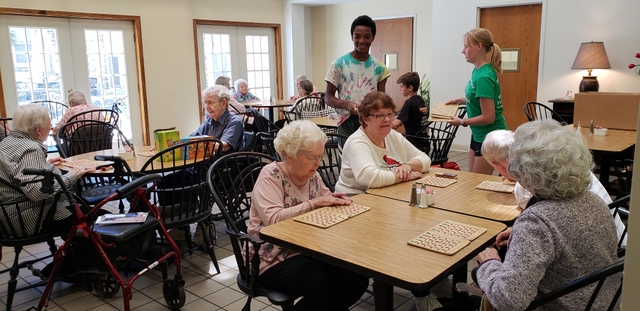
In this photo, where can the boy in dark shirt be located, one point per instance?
(414, 114)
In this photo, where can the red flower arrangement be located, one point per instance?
(631, 66)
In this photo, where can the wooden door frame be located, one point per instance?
(137, 40)
(415, 25)
(277, 34)
(543, 20)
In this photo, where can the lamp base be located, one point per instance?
(589, 84)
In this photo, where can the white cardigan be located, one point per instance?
(364, 167)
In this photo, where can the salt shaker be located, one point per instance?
(423, 197)
(579, 128)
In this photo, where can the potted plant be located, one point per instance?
(425, 91)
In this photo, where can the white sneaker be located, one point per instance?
(427, 303)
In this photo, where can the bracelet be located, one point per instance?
(462, 122)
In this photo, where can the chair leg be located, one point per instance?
(287, 306)
(52, 246)
(206, 227)
(13, 282)
(247, 305)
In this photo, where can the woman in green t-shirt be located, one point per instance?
(482, 95)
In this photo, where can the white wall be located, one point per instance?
(168, 44)
(565, 24)
(331, 26)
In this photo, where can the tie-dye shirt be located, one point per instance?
(355, 79)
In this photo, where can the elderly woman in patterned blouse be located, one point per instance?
(287, 189)
(24, 148)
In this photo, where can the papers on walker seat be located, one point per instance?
(116, 219)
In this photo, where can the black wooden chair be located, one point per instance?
(331, 161)
(107, 115)
(4, 127)
(56, 111)
(84, 136)
(231, 179)
(620, 208)
(17, 233)
(264, 144)
(438, 139)
(182, 196)
(311, 103)
(538, 111)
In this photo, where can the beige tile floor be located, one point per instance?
(205, 290)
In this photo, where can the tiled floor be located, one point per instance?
(205, 290)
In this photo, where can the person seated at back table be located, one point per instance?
(496, 151)
(220, 123)
(77, 104)
(414, 113)
(287, 189)
(242, 93)
(565, 231)
(313, 90)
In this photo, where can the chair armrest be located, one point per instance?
(141, 181)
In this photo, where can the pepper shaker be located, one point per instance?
(591, 127)
(414, 195)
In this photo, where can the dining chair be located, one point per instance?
(264, 144)
(260, 122)
(84, 136)
(56, 111)
(16, 232)
(620, 208)
(438, 139)
(307, 103)
(4, 127)
(329, 168)
(538, 111)
(182, 196)
(231, 179)
(107, 115)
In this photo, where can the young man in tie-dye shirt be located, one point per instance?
(354, 75)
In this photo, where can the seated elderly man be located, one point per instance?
(77, 104)
(495, 150)
(565, 231)
(220, 123)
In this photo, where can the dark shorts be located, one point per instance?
(476, 147)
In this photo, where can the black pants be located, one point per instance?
(323, 286)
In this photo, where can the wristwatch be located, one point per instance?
(462, 122)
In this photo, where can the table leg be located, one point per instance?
(459, 276)
(382, 296)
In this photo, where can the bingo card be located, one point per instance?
(437, 181)
(495, 186)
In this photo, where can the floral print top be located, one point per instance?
(276, 198)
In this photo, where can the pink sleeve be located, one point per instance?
(67, 115)
(268, 199)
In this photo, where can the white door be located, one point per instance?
(44, 58)
(238, 52)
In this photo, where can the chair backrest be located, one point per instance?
(182, 196)
(264, 144)
(56, 109)
(261, 123)
(329, 169)
(107, 115)
(607, 274)
(4, 127)
(538, 111)
(84, 136)
(619, 209)
(439, 138)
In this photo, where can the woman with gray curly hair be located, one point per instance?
(287, 189)
(562, 225)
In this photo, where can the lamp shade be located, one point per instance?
(591, 55)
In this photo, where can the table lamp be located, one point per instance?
(591, 55)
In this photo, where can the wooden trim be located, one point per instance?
(277, 34)
(3, 107)
(137, 38)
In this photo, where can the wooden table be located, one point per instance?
(135, 164)
(462, 197)
(266, 104)
(325, 122)
(374, 244)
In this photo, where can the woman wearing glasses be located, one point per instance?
(287, 189)
(376, 156)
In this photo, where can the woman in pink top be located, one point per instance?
(287, 189)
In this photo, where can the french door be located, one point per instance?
(238, 52)
(45, 58)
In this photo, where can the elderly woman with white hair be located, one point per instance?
(220, 123)
(24, 148)
(564, 233)
(242, 93)
(77, 104)
(287, 189)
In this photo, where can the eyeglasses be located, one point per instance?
(314, 158)
(211, 102)
(379, 116)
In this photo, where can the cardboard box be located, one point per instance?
(189, 152)
(610, 110)
(165, 138)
